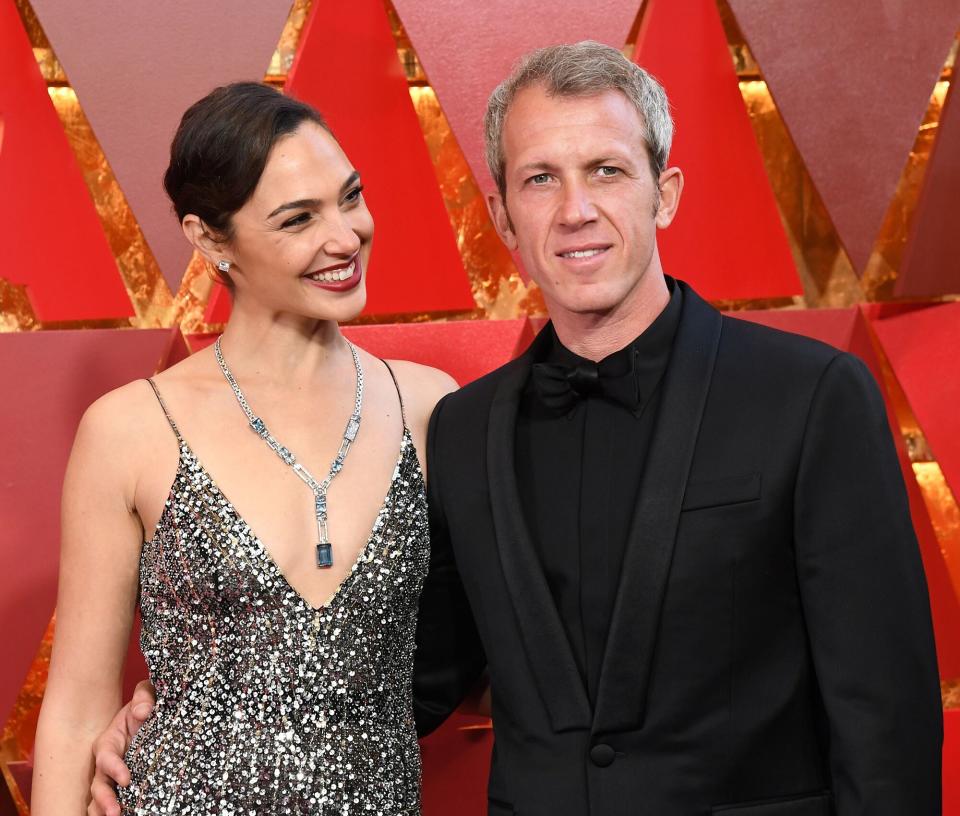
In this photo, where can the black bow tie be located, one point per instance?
(560, 386)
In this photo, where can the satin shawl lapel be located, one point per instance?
(545, 641)
(625, 674)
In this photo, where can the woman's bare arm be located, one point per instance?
(101, 538)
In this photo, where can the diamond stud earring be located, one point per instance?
(223, 266)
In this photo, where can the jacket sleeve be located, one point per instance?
(866, 605)
(449, 656)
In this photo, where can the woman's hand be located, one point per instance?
(111, 746)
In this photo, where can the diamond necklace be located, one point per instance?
(324, 547)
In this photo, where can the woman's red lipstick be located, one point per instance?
(356, 274)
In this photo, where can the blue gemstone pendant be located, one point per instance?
(324, 555)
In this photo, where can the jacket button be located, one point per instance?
(602, 755)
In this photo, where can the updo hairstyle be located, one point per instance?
(221, 147)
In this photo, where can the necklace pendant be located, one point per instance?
(324, 555)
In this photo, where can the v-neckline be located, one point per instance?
(406, 440)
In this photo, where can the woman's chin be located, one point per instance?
(343, 308)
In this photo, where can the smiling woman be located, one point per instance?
(276, 682)
(221, 148)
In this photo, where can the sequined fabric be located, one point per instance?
(264, 704)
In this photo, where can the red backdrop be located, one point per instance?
(851, 110)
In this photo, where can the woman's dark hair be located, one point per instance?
(221, 147)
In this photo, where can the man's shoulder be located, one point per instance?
(758, 343)
(483, 389)
(475, 397)
(793, 366)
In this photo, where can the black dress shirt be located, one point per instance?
(579, 472)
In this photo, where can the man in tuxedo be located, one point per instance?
(678, 542)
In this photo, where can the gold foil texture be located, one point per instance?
(950, 693)
(195, 289)
(944, 515)
(941, 504)
(148, 292)
(495, 281)
(16, 741)
(16, 311)
(283, 57)
(827, 277)
(881, 273)
(146, 287)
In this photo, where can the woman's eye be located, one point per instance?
(296, 221)
(354, 194)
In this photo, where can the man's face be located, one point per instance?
(582, 206)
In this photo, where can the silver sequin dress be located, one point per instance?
(264, 704)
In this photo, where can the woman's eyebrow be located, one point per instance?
(312, 202)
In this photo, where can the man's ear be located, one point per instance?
(206, 244)
(501, 220)
(671, 187)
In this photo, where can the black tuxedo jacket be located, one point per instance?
(771, 649)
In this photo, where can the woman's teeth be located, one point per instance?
(336, 275)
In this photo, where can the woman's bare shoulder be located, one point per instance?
(115, 433)
(422, 386)
(119, 412)
(131, 417)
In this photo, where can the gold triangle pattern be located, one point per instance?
(941, 505)
(16, 739)
(148, 292)
(497, 286)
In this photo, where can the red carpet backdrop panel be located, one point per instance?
(92, 93)
(51, 378)
(727, 239)
(852, 82)
(120, 61)
(931, 264)
(54, 245)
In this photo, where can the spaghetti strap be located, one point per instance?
(163, 405)
(403, 415)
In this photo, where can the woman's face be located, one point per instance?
(302, 241)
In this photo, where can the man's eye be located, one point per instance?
(354, 194)
(540, 178)
(297, 220)
(608, 171)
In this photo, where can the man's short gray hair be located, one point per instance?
(582, 69)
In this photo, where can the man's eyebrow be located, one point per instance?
(304, 203)
(542, 166)
(613, 158)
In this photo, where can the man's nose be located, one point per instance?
(577, 206)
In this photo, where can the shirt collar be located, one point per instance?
(650, 349)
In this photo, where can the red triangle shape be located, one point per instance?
(727, 239)
(931, 262)
(415, 266)
(922, 348)
(852, 82)
(136, 67)
(467, 48)
(54, 242)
